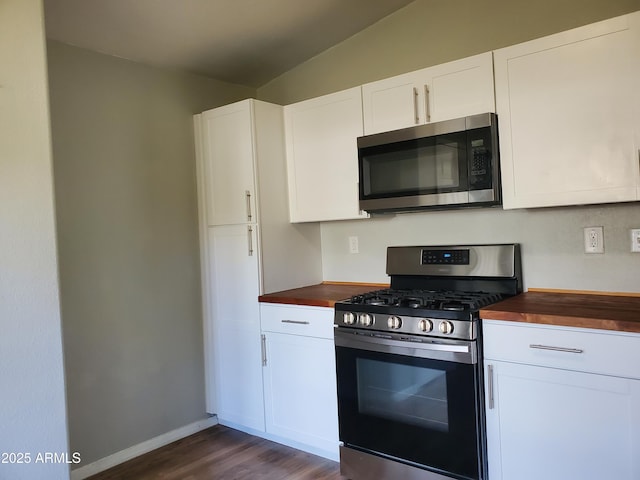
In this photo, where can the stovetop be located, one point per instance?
(446, 300)
(435, 313)
(436, 291)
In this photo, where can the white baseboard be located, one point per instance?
(141, 448)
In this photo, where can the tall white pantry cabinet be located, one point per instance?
(248, 247)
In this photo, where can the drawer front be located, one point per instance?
(297, 320)
(594, 351)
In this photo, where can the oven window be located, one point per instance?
(425, 412)
(403, 393)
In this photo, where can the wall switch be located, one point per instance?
(635, 240)
(353, 245)
(594, 240)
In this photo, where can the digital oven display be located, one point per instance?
(445, 257)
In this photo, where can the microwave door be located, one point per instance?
(447, 166)
(415, 173)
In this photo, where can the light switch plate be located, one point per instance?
(353, 245)
(635, 240)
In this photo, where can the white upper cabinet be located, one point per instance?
(569, 116)
(229, 176)
(451, 90)
(322, 156)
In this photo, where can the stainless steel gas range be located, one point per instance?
(409, 366)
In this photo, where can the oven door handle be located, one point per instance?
(462, 351)
(447, 348)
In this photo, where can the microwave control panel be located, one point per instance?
(479, 165)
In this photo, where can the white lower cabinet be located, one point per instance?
(549, 414)
(299, 377)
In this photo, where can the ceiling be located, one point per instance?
(247, 42)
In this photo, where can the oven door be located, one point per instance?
(417, 403)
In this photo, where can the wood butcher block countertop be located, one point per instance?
(584, 310)
(324, 294)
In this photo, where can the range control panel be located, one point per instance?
(445, 257)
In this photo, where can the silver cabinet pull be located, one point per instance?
(250, 235)
(556, 349)
(297, 322)
(490, 386)
(427, 108)
(247, 194)
(415, 105)
(263, 348)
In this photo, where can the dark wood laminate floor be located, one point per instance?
(221, 453)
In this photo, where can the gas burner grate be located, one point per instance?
(430, 299)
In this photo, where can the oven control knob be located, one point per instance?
(446, 327)
(365, 319)
(348, 318)
(425, 325)
(394, 322)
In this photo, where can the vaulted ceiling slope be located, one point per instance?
(246, 42)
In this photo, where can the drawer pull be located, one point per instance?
(297, 322)
(557, 349)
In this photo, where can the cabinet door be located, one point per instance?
(557, 424)
(322, 157)
(227, 148)
(442, 92)
(461, 88)
(300, 391)
(233, 327)
(568, 110)
(396, 102)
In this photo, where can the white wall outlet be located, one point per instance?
(353, 245)
(594, 240)
(635, 240)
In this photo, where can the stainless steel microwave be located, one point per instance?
(454, 163)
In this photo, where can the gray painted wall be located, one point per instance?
(551, 239)
(32, 401)
(429, 32)
(125, 193)
(124, 163)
